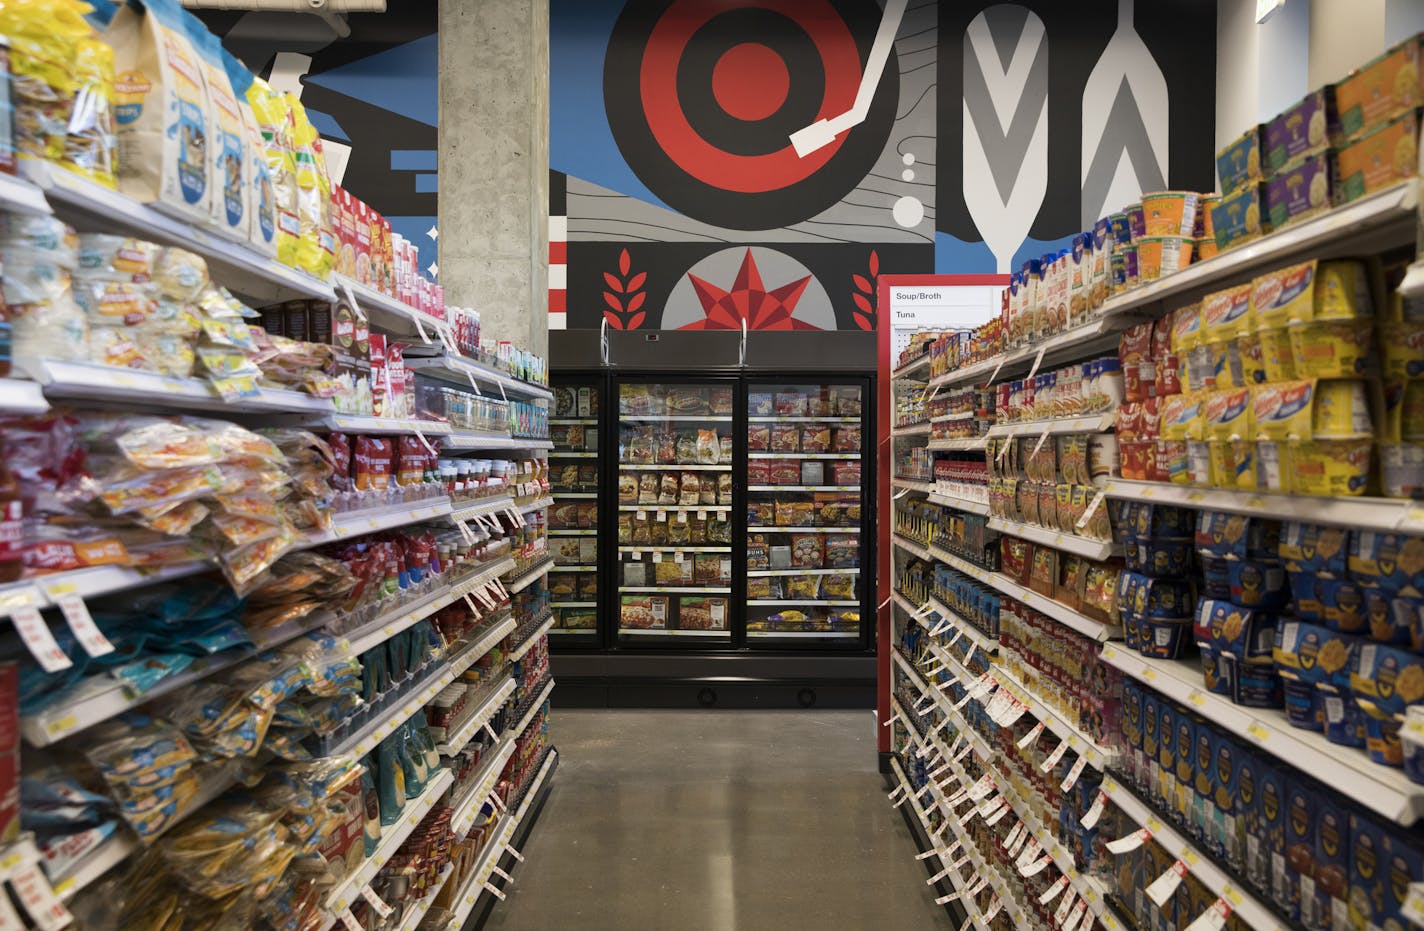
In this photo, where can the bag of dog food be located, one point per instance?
(165, 125)
(228, 145)
(261, 200)
(272, 117)
(316, 247)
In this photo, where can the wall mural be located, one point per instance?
(722, 161)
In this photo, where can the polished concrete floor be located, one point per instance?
(717, 821)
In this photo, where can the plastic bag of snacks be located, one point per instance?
(271, 115)
(39, 256)
(316, 249)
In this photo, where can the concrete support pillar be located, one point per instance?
(494, 164)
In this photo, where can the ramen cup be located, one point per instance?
(1170, 213)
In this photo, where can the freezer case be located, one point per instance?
(805, 522)
(676, 447)
(574, 467)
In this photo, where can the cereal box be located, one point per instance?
(1322, 901)
(1303, 129)
(1301, 806)
(1380, 89)
(1239, 164)
(1378, 159)
(1300, 189)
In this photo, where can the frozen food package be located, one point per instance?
(702, 614)
(761, 513)
(709, 449)
(758, 473)
(668, 489)
(627, 486)
(764, 587)
(839, 587)
(708, 491)
(847, 440)
(785, 438)
(724, 488)
(625, 527)
(165, 120)
(679, 531)
(808, 550)
(842, 551)
(691, 489)
(785, 472)
(802, 587)
(790, 404)
(758, 437)
(815, 439)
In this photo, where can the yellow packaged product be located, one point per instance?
(273, 120)
(1330, 467)
(1331, 348)
(44, 45)
(1402, 346)
(1180, 424)
(1187, 345)
(1342, 410)
(1277, 356)
(316, 246)
(164, 118)
(1313, 290)
(1226, 316)
(1229, 423)
(1282, 411)
(90, 144)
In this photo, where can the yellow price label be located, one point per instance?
(63, 725)
(1196, 697)
(1190, 857)
(1259, 733)
(1233, 895)
(1149, 673)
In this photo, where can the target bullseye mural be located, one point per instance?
(764, 161)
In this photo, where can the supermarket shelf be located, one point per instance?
(1387, 217)
(533, 710)
(1095, 630)
(1098, 756)
(946, 418)
(357, 423)
(796, 455)
(474, 889)
(676, 589)
(1382, 789)
(572, 454)
(1243, 903)
(463, 371)
(967, 444)
(118, 848)
(232, 263)
(44, 591)
(675, 418)
(803, 634)
(490, 770)
(1364, 513)
(957, 882)
(19, 195)
(674, 549)
(959, 504)
(387, 311)
(574, 604)
(664, 632)
(805, 419)
(788, 602)
(770, 528)
(414, 915)
(675, 508)
(373, 732)
(19, 396)
(463, 440)
(529, 576)
(918, 429)
(588, 532)
(517, 653)
(911, 547)
(467, 512)
(913, 485)
(912, 368)
(1078, 343)
(108, 384)
(560, 567)
(803, 488)
(983, 641)
(401, 617)
(1095, 423)
(488, 707)
(672, 467)
(575, 495)
(586, 421)
(538, 504)
(1069, 543)
(98, 698)
(760, 572)
(571, 631)
(373, 521)
(392, 837)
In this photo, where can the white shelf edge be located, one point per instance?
(519, 652)
(489, 705)
(1387, 514)
(1056, 426)
(1069, 543)
(530, 576)
(959, 504)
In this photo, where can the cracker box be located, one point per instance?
(1301, 189)
(1381, 89)
(1305, 128)
(1301, 808)
(1239, 164)
(1378, 159)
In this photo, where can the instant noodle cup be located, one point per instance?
(1330, 467)
(1202, 228)
(1402, 349)
(1401, 469)
(1130, 274)
(1136, 221)
(1344, 722)
(1162, 255)
(1331, 348)
(1170, 213)
(1205, 248)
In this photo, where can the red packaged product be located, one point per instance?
(411, 463)
(785, 471)
(372, 463)
(1135, 353)
(340, 445)
(1167, 371)
(846, 473)
(758, 471)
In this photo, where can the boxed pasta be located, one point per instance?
(702, 614)
(164, 116)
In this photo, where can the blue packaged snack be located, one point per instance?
(1151, 521)
(1221, 534)
(1323, 901)
(1392, 618)
(1186, 740)
(1216, 576)
(1160, 557)
(1304, 594)
(1302, 803)
(1252, 684)
(1216, 678)
(1387, 560)
(1343, 604)
(1316, 549)
(1145, 597)
(1344, 721)
(1257, 584)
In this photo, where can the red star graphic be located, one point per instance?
(749, 300)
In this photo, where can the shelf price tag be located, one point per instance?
(1053, 891)
(1073, 773)
(1029, 853)
(1213, 919)
(38, 899)
(994, 908)
(9, 920)
(1054, 757)
(1091, 509)
(40, 642)
(1036, 867)
(1064, 907)
(1095, 811)
(1129, 842)
(998, 816)
(375, 901)
(1075, 920)
(1031, 737)
(1163, 886)
(81, 623)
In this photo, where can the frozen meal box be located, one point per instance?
(1302, 129)
(1380, 89)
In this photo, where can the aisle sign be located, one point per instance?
(919, 303)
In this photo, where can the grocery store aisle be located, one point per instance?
(717, 821)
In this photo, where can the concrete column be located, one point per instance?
(494, 164)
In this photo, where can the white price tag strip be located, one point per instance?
(1036, 867)
(1031, 738)
(998, 816)
(1065, 906)
(1018, 845)
(1163, 886)
(81, 623)
(937, 877)
(946, 899)
(1053, 891)
(1076, 920)
(978, 886)
(42, 646)
(1130, 842)
(1028, 854)
(1095, 811)
(494, 890)
(9, 919)
(1039, 445)
(38, 899)
(1213, 919)
(375, 901)
(519, 857)
(1013, 835)
(1091, 509)
(994, 908)
(1054, 757)
(969, 657)
(1037, 361)
(1071, 779)
(501, 874)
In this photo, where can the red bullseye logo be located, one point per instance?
(704, 95)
